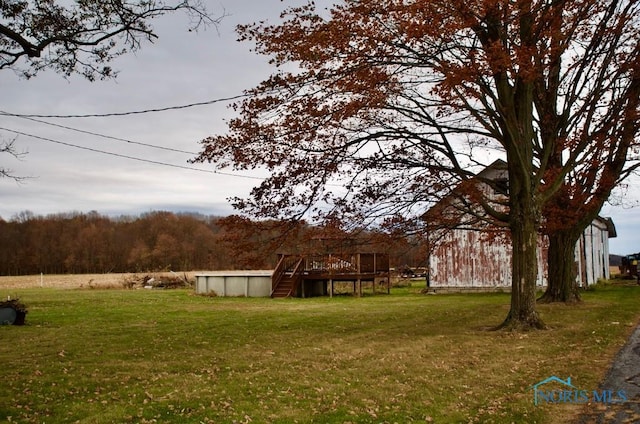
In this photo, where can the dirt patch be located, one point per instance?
(90, 281)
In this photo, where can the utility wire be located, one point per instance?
(126, 156)
(100, 135)
(135, 112)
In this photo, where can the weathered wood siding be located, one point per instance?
(467, 258)
(592, 253)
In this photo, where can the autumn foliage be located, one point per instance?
(77, 243)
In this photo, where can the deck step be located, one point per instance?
(284, 288)
(286, 277)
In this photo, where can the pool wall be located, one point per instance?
(235, 283)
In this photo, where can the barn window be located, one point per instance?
(501, 186)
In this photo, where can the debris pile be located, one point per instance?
(172, 281)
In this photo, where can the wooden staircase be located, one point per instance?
(286, 277)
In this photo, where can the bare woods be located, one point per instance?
(88, 243)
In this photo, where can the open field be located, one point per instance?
(78, 281)
(118, 356)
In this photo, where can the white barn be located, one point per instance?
(471, 258)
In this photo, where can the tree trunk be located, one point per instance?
(524, 220)
(562, 285)
(523, 314)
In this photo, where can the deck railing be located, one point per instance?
(340, 263)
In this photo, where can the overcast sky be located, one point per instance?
(180, 68)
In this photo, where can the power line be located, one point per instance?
(102, 135)
(135, 112)
(127, 156)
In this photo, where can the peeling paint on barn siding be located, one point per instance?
(471, 258)
(467, 258)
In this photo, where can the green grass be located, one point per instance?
(116, 356)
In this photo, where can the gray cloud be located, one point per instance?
(181, 67)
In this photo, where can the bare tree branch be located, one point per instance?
(84, 37)
(8, 147)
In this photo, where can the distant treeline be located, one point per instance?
(78, 243)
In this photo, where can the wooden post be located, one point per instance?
(331, 288)
(375, 271)
(359, 281)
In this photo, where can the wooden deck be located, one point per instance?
(316, 275)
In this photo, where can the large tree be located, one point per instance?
(399, 101)
(80, 36)
(590, 108)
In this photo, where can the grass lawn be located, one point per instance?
(118, 356)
